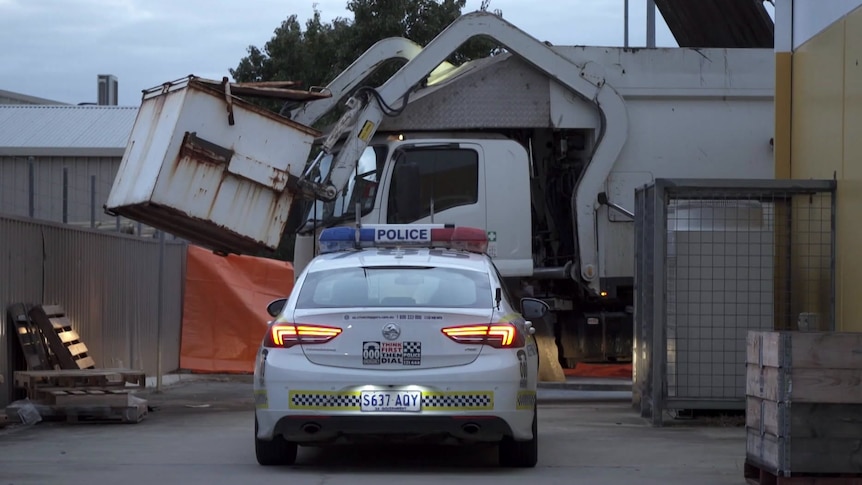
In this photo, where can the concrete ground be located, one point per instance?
(200, 431)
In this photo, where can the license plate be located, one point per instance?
(389, 401)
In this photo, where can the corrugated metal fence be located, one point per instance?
(108, 283)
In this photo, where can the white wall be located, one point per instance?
(809, 17)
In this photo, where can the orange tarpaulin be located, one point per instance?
(584, 369)
(224, 310)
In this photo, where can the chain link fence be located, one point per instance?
(716, 259)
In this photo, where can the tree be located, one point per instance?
(315, 55)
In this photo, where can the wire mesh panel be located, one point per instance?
(719, 280)
(729, 257)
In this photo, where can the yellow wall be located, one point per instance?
(826, 141)
(850, 185)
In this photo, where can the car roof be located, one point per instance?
(388, 257)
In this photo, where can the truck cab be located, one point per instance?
(466, 179)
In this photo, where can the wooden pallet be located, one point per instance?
(30, 337)
(804, 403)
(755, 475)
(65, 344)
(128, 412)
(79, 404)
(82, 396)
(33, 381)
(114, 414)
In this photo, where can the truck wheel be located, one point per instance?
(277, 452)
(521, 454)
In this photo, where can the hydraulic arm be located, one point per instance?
(367, 107)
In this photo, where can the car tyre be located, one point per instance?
(521, 454)
(276, 452)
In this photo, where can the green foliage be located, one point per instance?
(315, 55)
(318, 53)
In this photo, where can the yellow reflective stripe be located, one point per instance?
(525, 400)
(317, 400)
(462, 400)
(261, 400)
(350, 400)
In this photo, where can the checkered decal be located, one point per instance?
(458, 401)
(526, 400)
(309, 400)
(350, 401)
(412, 347)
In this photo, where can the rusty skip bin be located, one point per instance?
(218, 174)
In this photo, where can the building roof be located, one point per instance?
(62, 130)
(718, 23)
(12, 97)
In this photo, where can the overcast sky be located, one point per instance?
(56, 48)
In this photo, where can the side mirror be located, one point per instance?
(276, 306)
(534, 308)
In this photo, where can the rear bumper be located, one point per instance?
(322, 429)
(295, 394)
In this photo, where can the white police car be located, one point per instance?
(398, 332)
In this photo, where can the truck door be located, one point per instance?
(440, 184)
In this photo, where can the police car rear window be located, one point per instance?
(377, 287)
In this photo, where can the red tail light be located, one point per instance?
(497, 335)
(286, 335)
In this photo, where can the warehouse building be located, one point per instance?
(58, 162)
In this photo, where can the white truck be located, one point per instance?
(541, 145)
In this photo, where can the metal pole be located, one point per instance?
(65, 195)
(159, 306)
(650, 23)
(32, 188)
(92, 201)
(832, 259)
(659, 340)
(626, 23)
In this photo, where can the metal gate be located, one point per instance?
(715, 259)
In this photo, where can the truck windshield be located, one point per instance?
(361, 189)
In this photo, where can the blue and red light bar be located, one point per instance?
(403, 235)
